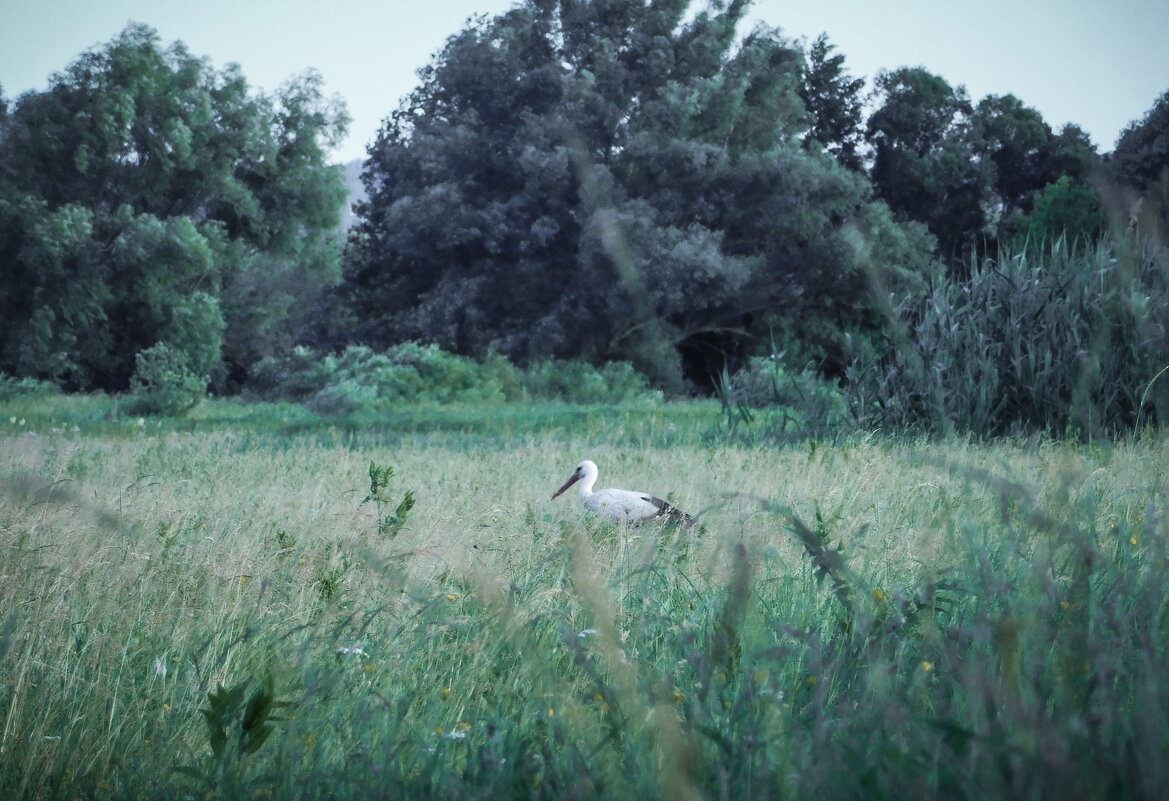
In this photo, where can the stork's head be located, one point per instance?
(585, 468)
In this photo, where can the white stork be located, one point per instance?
(621, 506)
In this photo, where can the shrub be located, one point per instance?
(426, 372)
(13, 387)
(163, 383)
(576, 381)
(343, 397)
(361, 379)
(296, 377)
(1066, 208)
(801, 403)
(197, 327)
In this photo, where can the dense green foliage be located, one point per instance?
(1065, 209)
(1140, 168)
(970, 172)
(1141, 157)
(146, 200)
(1064, 338)
(360, 379)
(215, 611)
(834, 102)
(1067, 339)
(164, 383)
(618, 181)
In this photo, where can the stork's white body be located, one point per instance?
(618, 505)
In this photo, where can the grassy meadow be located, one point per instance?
(240, 604)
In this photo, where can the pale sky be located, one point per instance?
(1100, 65)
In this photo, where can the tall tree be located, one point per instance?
(1068, 204)
(924, 165)
(1140, 165)
(1071, 153)
(973, 173)
(1141, 157)
(833, 98)
(1030, 161)
(1017, 141)
(147, 198)
(615, 179)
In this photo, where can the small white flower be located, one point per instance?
(355, 648)
(160, 667)
(455, 734)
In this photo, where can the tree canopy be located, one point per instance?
(146, 198)
(833, 98)
(970, 172)
(1140, 165)
(618, 180)
(1142, 152)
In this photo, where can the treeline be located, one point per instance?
(593, 182)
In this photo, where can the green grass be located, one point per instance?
(456, 425)
(867, 618)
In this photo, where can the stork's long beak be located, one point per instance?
(571, 480)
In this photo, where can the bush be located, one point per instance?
(344, 397)
(163, 383)
(1065, 208)
(13, 387)
(296, 377)
(575, 381)
(1068, 340)
(801, 403)
(196, 329)
(360, 379)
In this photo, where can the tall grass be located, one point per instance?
(213, 611)
(1062, 337)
